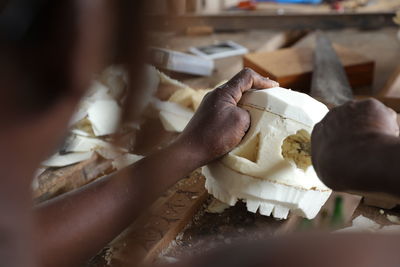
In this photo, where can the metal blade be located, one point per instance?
(329, 80)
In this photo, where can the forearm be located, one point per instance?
(75, 226)
(15, 221)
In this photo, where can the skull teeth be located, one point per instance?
(267, 198)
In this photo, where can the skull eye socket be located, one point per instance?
(297, 148)
(250, 149)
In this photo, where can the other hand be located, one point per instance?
(341, 141)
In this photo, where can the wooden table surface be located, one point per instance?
(205, 231)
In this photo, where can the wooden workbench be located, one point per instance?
(203, 231)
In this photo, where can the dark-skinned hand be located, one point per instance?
(342, 142)
(219, 124)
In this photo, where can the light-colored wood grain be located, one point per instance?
(144, 240)
(292, 67)
(55, 181)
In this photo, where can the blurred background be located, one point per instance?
(192, 47)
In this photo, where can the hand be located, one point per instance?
(345, 137)
(219, 124)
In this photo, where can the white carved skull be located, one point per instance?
(271, 168)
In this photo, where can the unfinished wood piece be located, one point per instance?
(392, 86)
(55, 181)
(153, 232)
(292, 67)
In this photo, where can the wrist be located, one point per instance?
(164, 168)
(194, 156)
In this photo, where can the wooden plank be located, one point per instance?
(383, 51)
(143, 241)
(262, 20)
(55, 181)
(292, 67)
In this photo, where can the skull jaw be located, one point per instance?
(266, 196)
